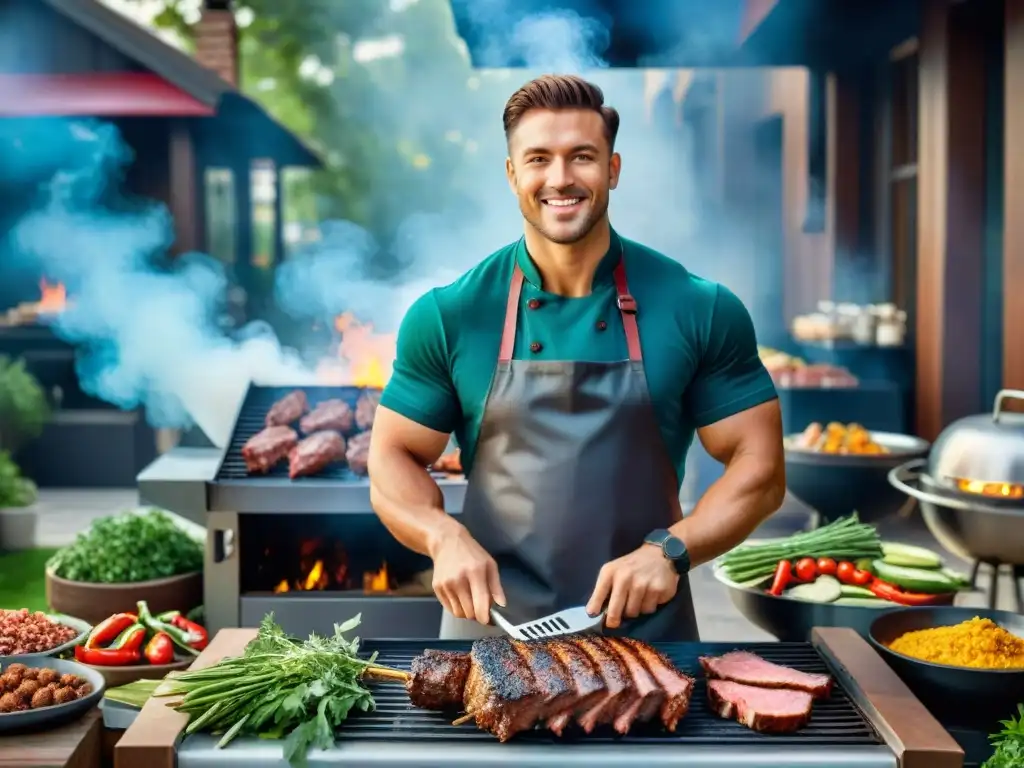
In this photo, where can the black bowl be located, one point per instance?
(957, 696)
(834, 485)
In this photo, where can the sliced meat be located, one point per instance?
(328, 415)
(620, 691)
(677, 686)
(438, 679)
(769, 710)
(267, 447)
(751, 669)
(366, 408)
(501, 693)
(314, 453)
(587, 682)
(649, 693)
(286, 410)
(358, 452)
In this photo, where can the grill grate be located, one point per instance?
(836, 721)
(258, 400)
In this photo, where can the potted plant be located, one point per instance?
(17, 507)
(24, 412)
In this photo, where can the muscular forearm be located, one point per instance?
(749, 491)
(408, 501)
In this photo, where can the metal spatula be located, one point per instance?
(567, 622)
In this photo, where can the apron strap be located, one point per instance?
(624, 300)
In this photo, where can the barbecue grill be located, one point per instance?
(971, 490)
(871, 719)
(309, 549)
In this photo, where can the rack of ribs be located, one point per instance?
(314, 453)
(508, 686)
(330, 414)
(286, 410)
(264, 449)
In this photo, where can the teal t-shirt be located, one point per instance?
(699, 348)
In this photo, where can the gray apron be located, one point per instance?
(571, 472)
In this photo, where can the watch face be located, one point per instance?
(674, 548)
(657, 536)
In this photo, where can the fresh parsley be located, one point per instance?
(1009, 743)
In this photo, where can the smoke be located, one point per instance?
(150, 329)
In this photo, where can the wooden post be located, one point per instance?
(1013, 222)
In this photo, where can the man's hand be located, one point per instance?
(634, 584)
(465, 576)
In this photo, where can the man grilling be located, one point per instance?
(574, 367)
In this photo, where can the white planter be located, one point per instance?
(18, 528)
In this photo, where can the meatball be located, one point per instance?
(42, 698)
(68, 680)
(47, 676)
(29, 673)
(84, 689)
(9, 703)
(27, 689)
(10, 681)
(64, 695)
(19, 668)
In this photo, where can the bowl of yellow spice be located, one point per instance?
(966, 665)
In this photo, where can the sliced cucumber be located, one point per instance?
(852, 590)
(928, 580)
(961, 579)
(863, 602)
(910, 556)
(824, 589)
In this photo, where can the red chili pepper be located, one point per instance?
(108, 629)
(160, 650)
(783, 576)
(175, 619)
(131, 639)
(107, 657)
(181, 637)
(894, 594)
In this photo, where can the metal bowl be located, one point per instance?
(970, 528)
(834, 485)
(49, 717)
(961, 696)
(83, 628)
(790, 620)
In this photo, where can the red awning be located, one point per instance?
(100, 94)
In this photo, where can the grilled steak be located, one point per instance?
(358, 452)
(677, 687)
(314, 453)
(769, 710)
(366, 408)
(330, 414)
(501, 693)
(619, 693)
(438, 679)
(751, 669)
(264, 449)
(588, 686)
(648, 694)
(286, 410)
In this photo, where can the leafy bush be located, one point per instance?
(15, 490)
(24, 409)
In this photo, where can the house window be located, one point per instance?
(263, 181)
(221, 214)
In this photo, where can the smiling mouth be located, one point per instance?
(563, 202)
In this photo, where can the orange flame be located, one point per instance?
(53, 298)
(377, 581)
(318, 579)
(365, 358)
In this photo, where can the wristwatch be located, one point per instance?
(672, 547)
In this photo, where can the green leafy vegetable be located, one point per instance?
(1009, 743)
(128, 549)
(281, 687)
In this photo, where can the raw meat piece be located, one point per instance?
(314, 453)
(751, 669)
(358, 453)
(366, 408)
(287, 409)
(769, 710)
(330, 414)
(264, 449)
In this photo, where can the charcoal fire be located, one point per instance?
(53, 300)
(326, 568)
(1009, 491)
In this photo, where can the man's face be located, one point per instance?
(561, 168)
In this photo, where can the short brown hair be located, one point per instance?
(560, 92)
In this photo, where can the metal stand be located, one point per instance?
(993, 592)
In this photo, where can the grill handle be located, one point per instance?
(1012, 394)
(901, 476)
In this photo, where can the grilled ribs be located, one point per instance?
(510, 685)
(330, 414)
(314, 453)
(366, 408)
(264, 449)
(358, 452)
(286, 410)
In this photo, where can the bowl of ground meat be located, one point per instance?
(38, 691)
(28, 633)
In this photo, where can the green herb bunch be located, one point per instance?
(15, 489)
(1009, 743)
(126, 549)
(279, 686)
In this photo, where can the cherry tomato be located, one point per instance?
(844, 572)
(827, 566)
(861, 577)
(806, 569)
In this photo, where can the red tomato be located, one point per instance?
(827, 566)
(806, 569)
(862, 578)
(844, 572)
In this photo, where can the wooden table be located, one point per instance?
(74, 745)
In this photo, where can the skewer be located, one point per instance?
(387, 674)
(464, 719)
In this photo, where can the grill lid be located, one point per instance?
(982, 450)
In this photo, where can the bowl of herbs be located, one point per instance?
(140, 555)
